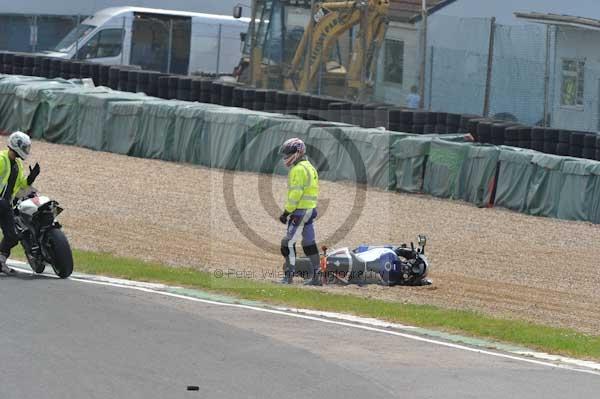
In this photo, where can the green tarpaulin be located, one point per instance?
(410, 157)
(8, 86)
(63, 110)
(364, 156)
(68, 112)
(443, 168)
(592, 198)
(228, 131)
(514, 178)
(477, 177)
(260, 152)
(576, 179)
(323, 146)
(546, 185)
(122, 130)
(187, 132)
(31, 104)
(157, 128)
(92, 116)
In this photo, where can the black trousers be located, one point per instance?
(9, 232)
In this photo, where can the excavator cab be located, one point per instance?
(278, 28)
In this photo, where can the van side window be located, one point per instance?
(106, 43)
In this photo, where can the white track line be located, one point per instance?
(345, 324)
(132, 286)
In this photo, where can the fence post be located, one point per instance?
(123, 42)
(554, 71)
(547, 76)
(364, 23)
(170, 49)
(490, 64)
(431, 78)
(320, 79)
(423, 53)
(253, 13)
(33, 36)
(350, 44)
(76, 56)
(309, 39)
(219, 49)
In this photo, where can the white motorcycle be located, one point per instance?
(41, 235)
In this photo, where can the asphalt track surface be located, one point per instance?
(69, 339)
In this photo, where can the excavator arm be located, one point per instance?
(330, 21)
(375, 34)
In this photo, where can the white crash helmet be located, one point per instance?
(20, 143)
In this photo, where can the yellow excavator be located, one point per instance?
(314, 46)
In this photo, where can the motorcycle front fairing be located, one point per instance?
(391, 263)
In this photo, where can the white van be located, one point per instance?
(160, 40)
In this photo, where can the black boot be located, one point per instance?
(288, 274)
(314, 279)
(4, 268)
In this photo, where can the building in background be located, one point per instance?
(398, 67)
(575, 67)
(37, 25)
(504, 10)
(482, 58)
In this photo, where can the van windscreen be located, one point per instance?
(76, 34)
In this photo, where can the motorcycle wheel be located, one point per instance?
(37, 265)
(60, 251)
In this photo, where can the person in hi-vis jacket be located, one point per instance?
(300, 210)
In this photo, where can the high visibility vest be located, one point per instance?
(303, 187)
(21, 181)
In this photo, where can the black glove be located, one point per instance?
(284, 217)
(33, 173)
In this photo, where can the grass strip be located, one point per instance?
(548, 339)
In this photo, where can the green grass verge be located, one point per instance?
(548, 339)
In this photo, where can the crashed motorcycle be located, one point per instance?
(393, 265)
(41, 235)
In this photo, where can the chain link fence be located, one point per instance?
(34, 33)
(533, 74)
(456, 64)
(519, 66)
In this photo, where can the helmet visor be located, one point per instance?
(286, 151)
(26, 148)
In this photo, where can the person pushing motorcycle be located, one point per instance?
(12, 180)
(300, 210)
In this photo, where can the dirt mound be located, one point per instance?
(491, 260)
